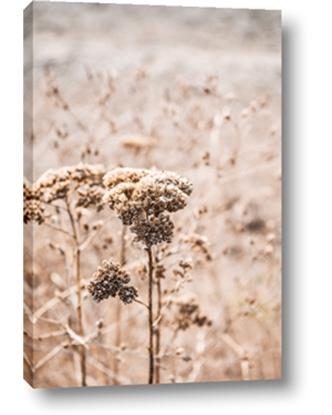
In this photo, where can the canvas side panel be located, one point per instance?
(28, 176)
(282, 85)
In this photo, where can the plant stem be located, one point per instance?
(79, 294)
(55, 228)
(150, 306)
(118, 334)
(158, 330)
(80, 316)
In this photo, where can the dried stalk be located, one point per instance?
(150, 306)
(79, 293)
(154, 195)
(118, 334)
(158, 329)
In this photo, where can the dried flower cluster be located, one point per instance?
(143, 198)
(188, 314)
(111, 280)
(56, 184)
(153, 230)
(33, 210)
(90, 195)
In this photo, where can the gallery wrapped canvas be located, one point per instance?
(152, 194)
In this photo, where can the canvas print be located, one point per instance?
(152, 194)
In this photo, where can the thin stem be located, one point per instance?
(158, 329)
(118, 334)
(79, 294)
(56, 228)
(141, 302)
(123, 246)
(57, 207)
(80, 315)
(150, 305)
(71, 219)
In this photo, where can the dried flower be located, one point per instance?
(124, 175)
(127, 294)
(153, 230)
(111, 280)
(188, 314)
(33, 210)
(141, 198)
(199, 243)
(55, 184)
(160, 271)
(90, 196)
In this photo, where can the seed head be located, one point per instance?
(123, 175)
(154, 230)
(111, 280)
(188, 314)
(90, 196)
(143, 198)
(55, 184)
(127, 294)
(33, 210)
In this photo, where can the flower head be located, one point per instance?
(111, 280)
(33, 210)
(56, 184)
(90, 196)
(153, 230)
(123, 175)
(143, 198)
(188, 314)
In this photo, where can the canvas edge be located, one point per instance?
(28, 337)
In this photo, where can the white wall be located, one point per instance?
(307, 240)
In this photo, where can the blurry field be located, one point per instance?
(195, 91)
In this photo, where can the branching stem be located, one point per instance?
(77, 253)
